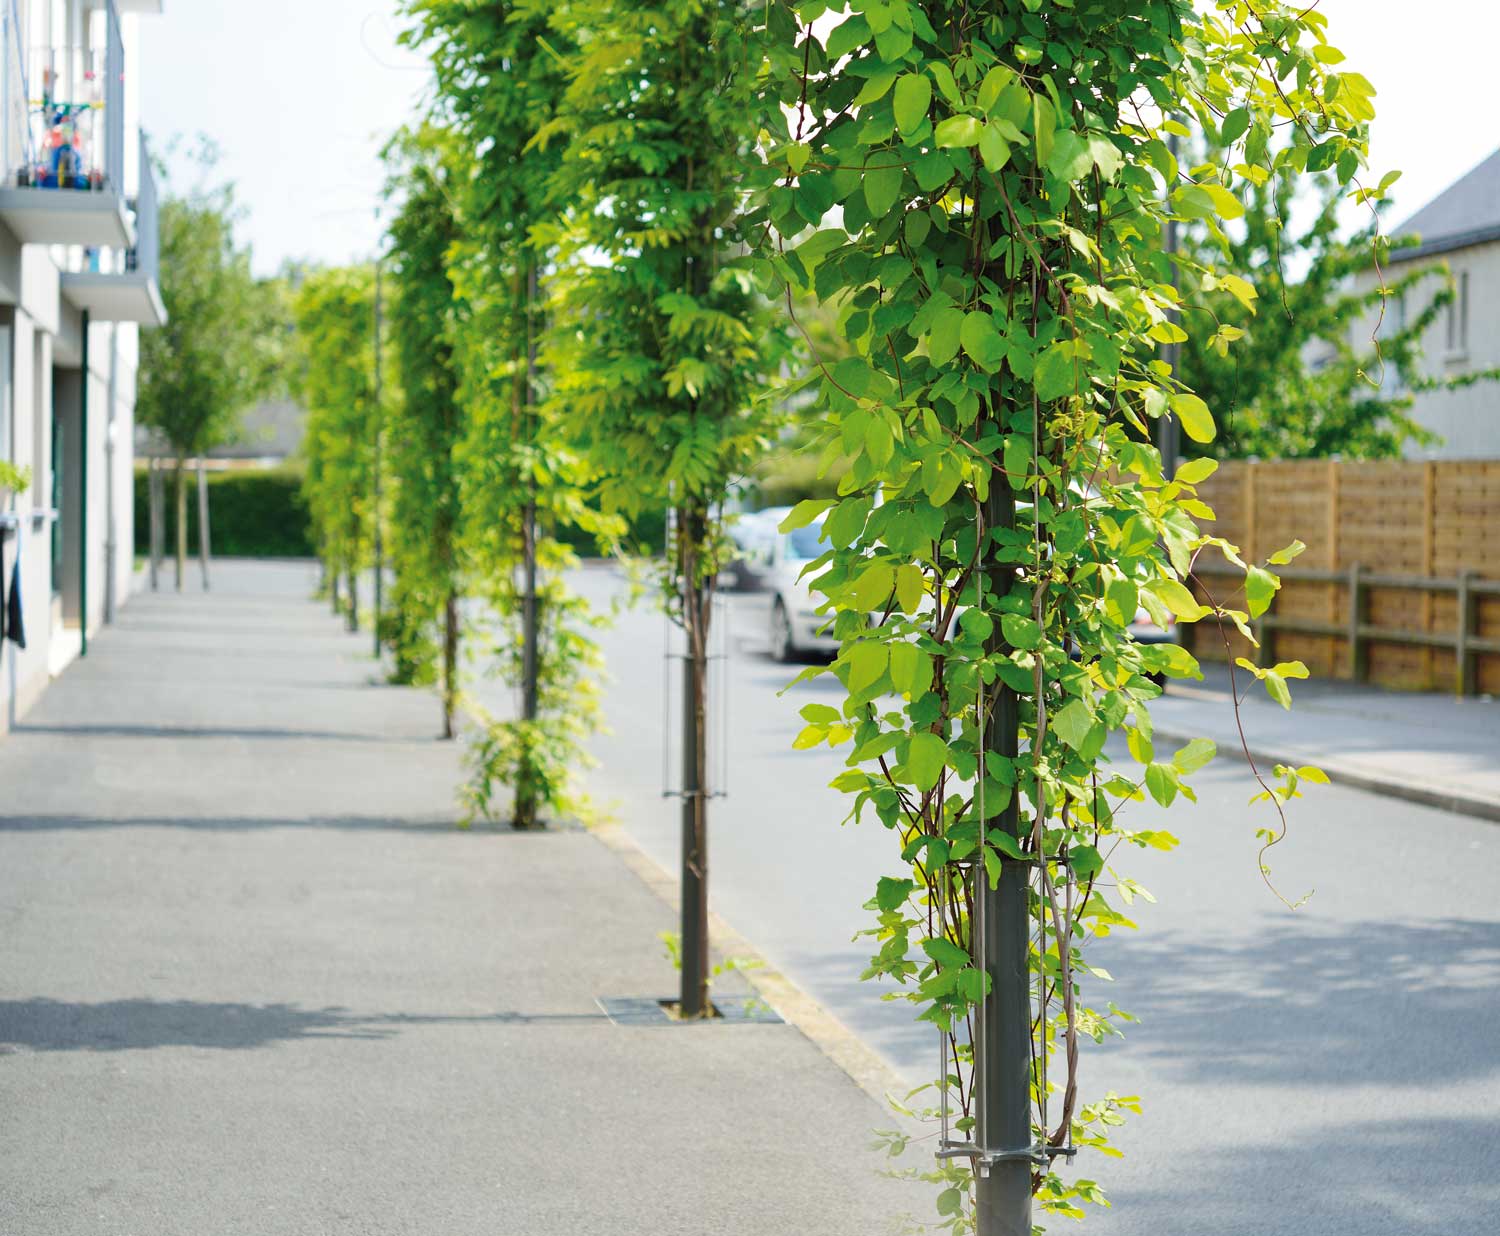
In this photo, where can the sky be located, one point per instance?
(301, 94)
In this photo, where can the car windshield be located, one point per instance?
(803, 544)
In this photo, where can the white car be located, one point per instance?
(796, 626)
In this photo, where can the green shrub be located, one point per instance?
(252, 513)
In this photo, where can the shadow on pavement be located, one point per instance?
(236, 823)
(203, 731)
(1396, 1177)
(127, 1025)
(1384, 1003)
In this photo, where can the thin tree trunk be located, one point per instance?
(450, 661)
(182, 509)
(154, 503)
(351, 615)
(333, 585)
(203, 538)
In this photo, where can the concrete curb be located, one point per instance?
(862, 1065)
(1426, 794)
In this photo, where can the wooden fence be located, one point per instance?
(1426, 540)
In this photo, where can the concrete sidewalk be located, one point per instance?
(252, 980)
(1438, 750)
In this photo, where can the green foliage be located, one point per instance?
(222, 346)
(17, 480)
(335, 381)
(255, 513)
(1287, 352)
(498, 75)
(426, 420)
(661, 346)
(981, 193)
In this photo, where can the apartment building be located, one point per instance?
(78, 282)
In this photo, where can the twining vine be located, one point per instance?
(981, 192)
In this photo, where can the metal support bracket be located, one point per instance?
(984, 1158)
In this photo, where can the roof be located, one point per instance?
(1466, 213)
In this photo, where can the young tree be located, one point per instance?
(1308, 377)
(661, 344)
(1002, 179)
(498, 71)
(334, 310)
(426, 421)
(221, 347)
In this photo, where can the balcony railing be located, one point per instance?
(64, 115)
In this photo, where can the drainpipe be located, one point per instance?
(83, 496)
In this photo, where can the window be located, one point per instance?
(1458, 316)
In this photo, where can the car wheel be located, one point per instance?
(783, 645)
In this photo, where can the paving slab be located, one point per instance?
(253, 979)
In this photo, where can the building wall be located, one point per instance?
(41, 377)
(1467, 420)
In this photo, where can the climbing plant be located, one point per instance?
(498, 72)
(334, 315)
(426, 421)
(981, 192)
(660, 344)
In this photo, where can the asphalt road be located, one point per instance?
(1333, 1070)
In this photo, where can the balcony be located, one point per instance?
(62, 133)
(123, 285)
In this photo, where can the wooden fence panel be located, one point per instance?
(1428, 519)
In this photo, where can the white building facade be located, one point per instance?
(78, 281)
(1458, 231)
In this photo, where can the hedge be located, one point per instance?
(252, 513)
(259, 513)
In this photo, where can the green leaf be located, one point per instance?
(873, 586)
(906, 669)
(994, 148)
(913, 94)
(925, 759)
(882, 187)
(1176, 597)
(945, 953)
(1283, 556)
(1195, 755)
(910, 587)
(958, 131)
(804, 513)
(1197, 421)
(1224, 202)
(1056, 373)
(1161, 783)
(1086, 861)
(820, 714)
(867, 662)
(1260, 590)
(1196, 471)
(946, 334)
(1073, 722)
(1023, 633)
(891, 894)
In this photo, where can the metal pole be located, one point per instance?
(526, 805)
(379, 427)
(693, 1000)
(1001, 939)
(1167, 432)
